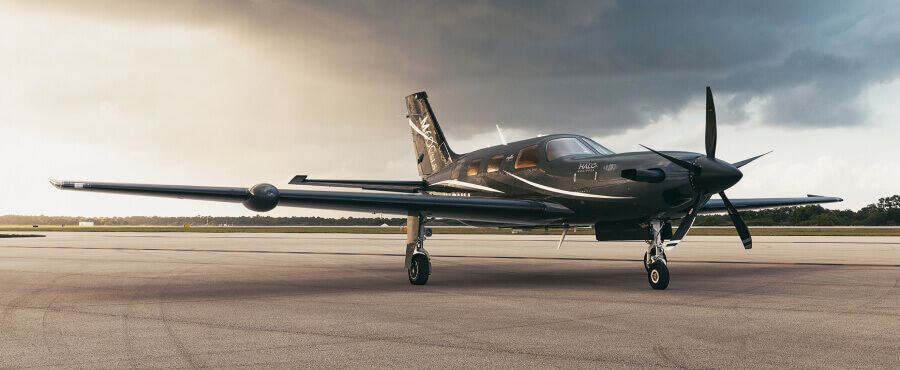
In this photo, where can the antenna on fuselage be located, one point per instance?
(502, 138)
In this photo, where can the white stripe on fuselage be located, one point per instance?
(566, 192)
(466, 185)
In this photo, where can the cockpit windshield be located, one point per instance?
(557, 148)
(599, 148)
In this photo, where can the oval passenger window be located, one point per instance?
(528, 157)
(494, 164)
(473, 167)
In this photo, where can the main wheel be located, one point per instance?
(419, 269)
(658, 275)
(647, 260)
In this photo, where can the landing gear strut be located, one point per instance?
(655, 258)
(647, 260)
(418, 262)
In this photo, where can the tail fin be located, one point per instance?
(432, 151)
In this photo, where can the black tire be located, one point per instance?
(419, 269)
(647, 260)
(658, 275)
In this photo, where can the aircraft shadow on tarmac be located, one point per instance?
(506, 276)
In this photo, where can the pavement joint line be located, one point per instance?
(453, 256)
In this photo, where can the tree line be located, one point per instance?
(884, 213)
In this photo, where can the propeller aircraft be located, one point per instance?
(554, 181)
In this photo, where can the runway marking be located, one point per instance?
(450, 256)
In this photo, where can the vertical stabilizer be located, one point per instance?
(432, 151)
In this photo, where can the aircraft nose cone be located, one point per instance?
(716, 175)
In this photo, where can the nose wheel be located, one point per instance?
(658, 275)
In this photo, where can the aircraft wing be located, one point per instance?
(264, 197)
(717, 206)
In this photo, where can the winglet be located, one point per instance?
(297, 180)
(68, 185)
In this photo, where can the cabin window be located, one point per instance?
(559, 148)
(455, 174)
(473, 167)
(528, 157)
(494, 164)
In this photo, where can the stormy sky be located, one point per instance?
(234, 93)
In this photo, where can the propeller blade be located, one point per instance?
(563, 237)
(738, 222)
(686, 223)
(684, 164)
(710, 125)
(748, 160)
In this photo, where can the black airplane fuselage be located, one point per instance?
(590, 184)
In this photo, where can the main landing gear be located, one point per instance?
(655, 258)
(418, 262)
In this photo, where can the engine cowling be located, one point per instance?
(262, 198)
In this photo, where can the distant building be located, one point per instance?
(85, 223)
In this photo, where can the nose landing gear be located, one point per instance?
(655, 258)
(647, 259)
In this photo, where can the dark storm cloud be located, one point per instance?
(594, 67)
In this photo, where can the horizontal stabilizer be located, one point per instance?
(395, 186)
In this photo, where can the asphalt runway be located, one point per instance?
(192, 300)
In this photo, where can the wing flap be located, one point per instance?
(380, 185)
(469, 208)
